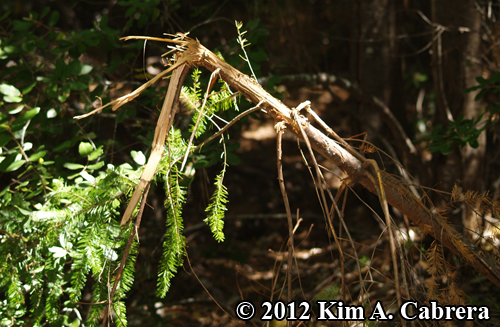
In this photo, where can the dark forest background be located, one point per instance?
(418, 79)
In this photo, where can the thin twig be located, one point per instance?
(377, 182)
(319, 187)
(279, 151)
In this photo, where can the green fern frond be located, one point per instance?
(15, 296)
(222, 100)
(176, 148)
(217, 207)
(202, 125)
(174, 244)
(195, 89)
(193, 93)
(53, 298)
(98, 306)
(127, 278)
(37, 304)
(121, 313)
(80, 268)
(192, 99)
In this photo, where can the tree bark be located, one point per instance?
(456, 64)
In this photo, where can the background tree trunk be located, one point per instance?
(456, 64)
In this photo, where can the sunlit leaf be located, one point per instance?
(87, 176)
(85, 149)
(138, 157)
(73, 166)
(58, 252)
(96, 153)
(96, 166)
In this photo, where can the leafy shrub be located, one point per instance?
(61, 206)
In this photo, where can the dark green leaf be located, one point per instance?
(495, 78)
(92, 38)
(474, 143)
(28, 89)
(63, 146)
(52, 90)
(130, 11)
(42, 44)
(4, 139)
(470, 89)
(481, 94)
(272, 81)
(61, 71)
(258, 56)
(26, 116)
(75, 68)
(481, 80)
(54, 17)
(78, 85)
(38, 155)
(45, 11)
(64, 93)
(5, 15)
(233, 159)
(22, 25)
(7, 161)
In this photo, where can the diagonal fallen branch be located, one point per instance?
(352, 163)
(397, 194)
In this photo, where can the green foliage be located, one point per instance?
(466, 131)
(174, 244)
(485, 86)
(218, 101)
(330, 292)
(217, 207)
(458, 134)
(139, 13)
(258, 54)
(60, 238)
(59, 243)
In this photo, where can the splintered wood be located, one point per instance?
(192, 53)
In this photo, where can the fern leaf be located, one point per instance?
(127, 278)
(217, 207)
(121, 313)
(174, 244)
(95, 313)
